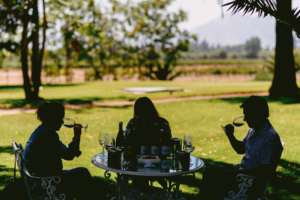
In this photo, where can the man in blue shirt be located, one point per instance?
(261, 148)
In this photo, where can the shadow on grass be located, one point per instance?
(19, 103)
(8, 87)
(269, 99)
(284, 185)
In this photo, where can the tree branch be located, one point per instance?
(265, 8)
(8, 7)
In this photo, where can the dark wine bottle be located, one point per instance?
(155, 140)
(120, 137)
(165, 144)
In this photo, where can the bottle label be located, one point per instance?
(165, 164)
(155, 150)
(145, 150)
(165, 150)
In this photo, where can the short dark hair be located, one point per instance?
(257, 104)
(50, 110)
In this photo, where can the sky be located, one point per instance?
(200, 12)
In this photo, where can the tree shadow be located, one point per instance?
(6, 149)
(20, 103)
(284, 184)
(7, 87)
(269, 99)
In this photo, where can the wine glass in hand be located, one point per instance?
(237, 122)
(102, 140)
(70, 123)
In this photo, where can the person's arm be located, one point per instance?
(237, 145)
(68, 153)
(127, 129)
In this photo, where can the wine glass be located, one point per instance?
(190, 145)
(70, 123)
(102, 140)
(110, 141)
(237, 122)
(185, 140)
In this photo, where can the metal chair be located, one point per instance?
(245, 182)
(37, 187)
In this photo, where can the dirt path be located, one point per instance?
(15, 111)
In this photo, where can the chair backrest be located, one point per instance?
(18, 151)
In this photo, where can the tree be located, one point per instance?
(284, 81)
(25, 14)
(253, 47)
(155, 35)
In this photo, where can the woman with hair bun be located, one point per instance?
(44, 152)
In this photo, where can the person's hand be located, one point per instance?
(229, 130)
(77, 130)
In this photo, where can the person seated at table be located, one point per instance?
(145, 112)
(44, 152)
(262, 148)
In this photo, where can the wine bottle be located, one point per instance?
(155, 140)
(120, 137)
(165, 144)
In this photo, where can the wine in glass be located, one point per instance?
(185, 140)
(190, 145)
(102, 140)
(70, 123)
(110, 141)
(237, 122)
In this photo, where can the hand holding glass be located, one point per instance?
(237, 122)
(70, 123)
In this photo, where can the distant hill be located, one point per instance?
(237, 29)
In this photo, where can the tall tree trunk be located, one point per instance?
(284, 81)
(35, 63)
(24, 60)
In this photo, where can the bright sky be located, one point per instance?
(200, 11)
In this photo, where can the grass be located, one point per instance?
(202, 118)
(13, 96)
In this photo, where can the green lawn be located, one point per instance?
(202, 118)
(12, 96)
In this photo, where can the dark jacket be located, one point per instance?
(159, 120)
(44, 152)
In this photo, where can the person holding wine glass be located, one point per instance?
(44, 152)
(262, 148)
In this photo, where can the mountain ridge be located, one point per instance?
(237, 29)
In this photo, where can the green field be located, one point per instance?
(202, 118)
(13, 96)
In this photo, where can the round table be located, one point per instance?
(196, 164)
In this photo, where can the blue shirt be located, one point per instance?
(44, 151)
(262, 147)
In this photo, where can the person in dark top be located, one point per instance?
(44, 152)
(262, 148)
(145, 112)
